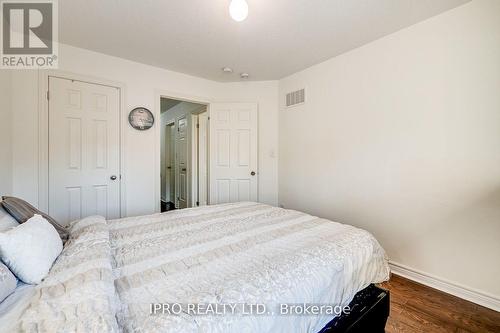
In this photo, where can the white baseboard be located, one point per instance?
(475, 296)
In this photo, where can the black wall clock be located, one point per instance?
(141, 119)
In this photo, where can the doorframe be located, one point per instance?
(164, 128)
(157, 113)
(43, 132)
(193, 160)
(203, 148)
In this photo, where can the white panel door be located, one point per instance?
(181, 150)
(233, 152)
(84, 150)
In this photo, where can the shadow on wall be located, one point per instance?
(479, 214)
(473, 228)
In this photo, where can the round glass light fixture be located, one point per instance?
(238, 9)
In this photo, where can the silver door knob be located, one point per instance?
(112, 177)
(252, 173)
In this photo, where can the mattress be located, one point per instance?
(242, 253)
(112, 275)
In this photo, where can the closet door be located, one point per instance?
(84, 150)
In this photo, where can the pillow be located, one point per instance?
(22, 211)
(30, 249)
(6, 220)
(8, 282)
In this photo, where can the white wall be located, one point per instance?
(402, 137)
(5, 133)
(142, 83)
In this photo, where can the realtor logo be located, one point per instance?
(29, 34)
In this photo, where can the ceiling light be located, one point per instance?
(227, 70)
(244, 75)
(238, 9)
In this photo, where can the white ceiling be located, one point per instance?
(198, 37)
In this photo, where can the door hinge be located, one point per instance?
(197, 203)
(197, 125)
(48, 95)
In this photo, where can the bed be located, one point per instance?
(113, 275)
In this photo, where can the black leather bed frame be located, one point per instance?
(369, 312)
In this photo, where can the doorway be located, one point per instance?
(184, 154)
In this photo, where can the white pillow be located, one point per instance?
(30, 249)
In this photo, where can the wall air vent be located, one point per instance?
(296, 98)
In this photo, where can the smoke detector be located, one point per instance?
(244, 75)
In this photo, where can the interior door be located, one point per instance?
(84, 150)
(233, 152)
(182, 162)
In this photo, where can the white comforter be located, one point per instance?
(110, 273)
(78, 295)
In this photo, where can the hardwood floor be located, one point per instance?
(418, 308)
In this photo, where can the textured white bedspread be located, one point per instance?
(237, 253)
(78, 295)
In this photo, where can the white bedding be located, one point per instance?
(78, 295)
(14, 305)
(238, 253)
(110, 273)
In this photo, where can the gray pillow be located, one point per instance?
(8, 282)
(6, 221)
(23, 211)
